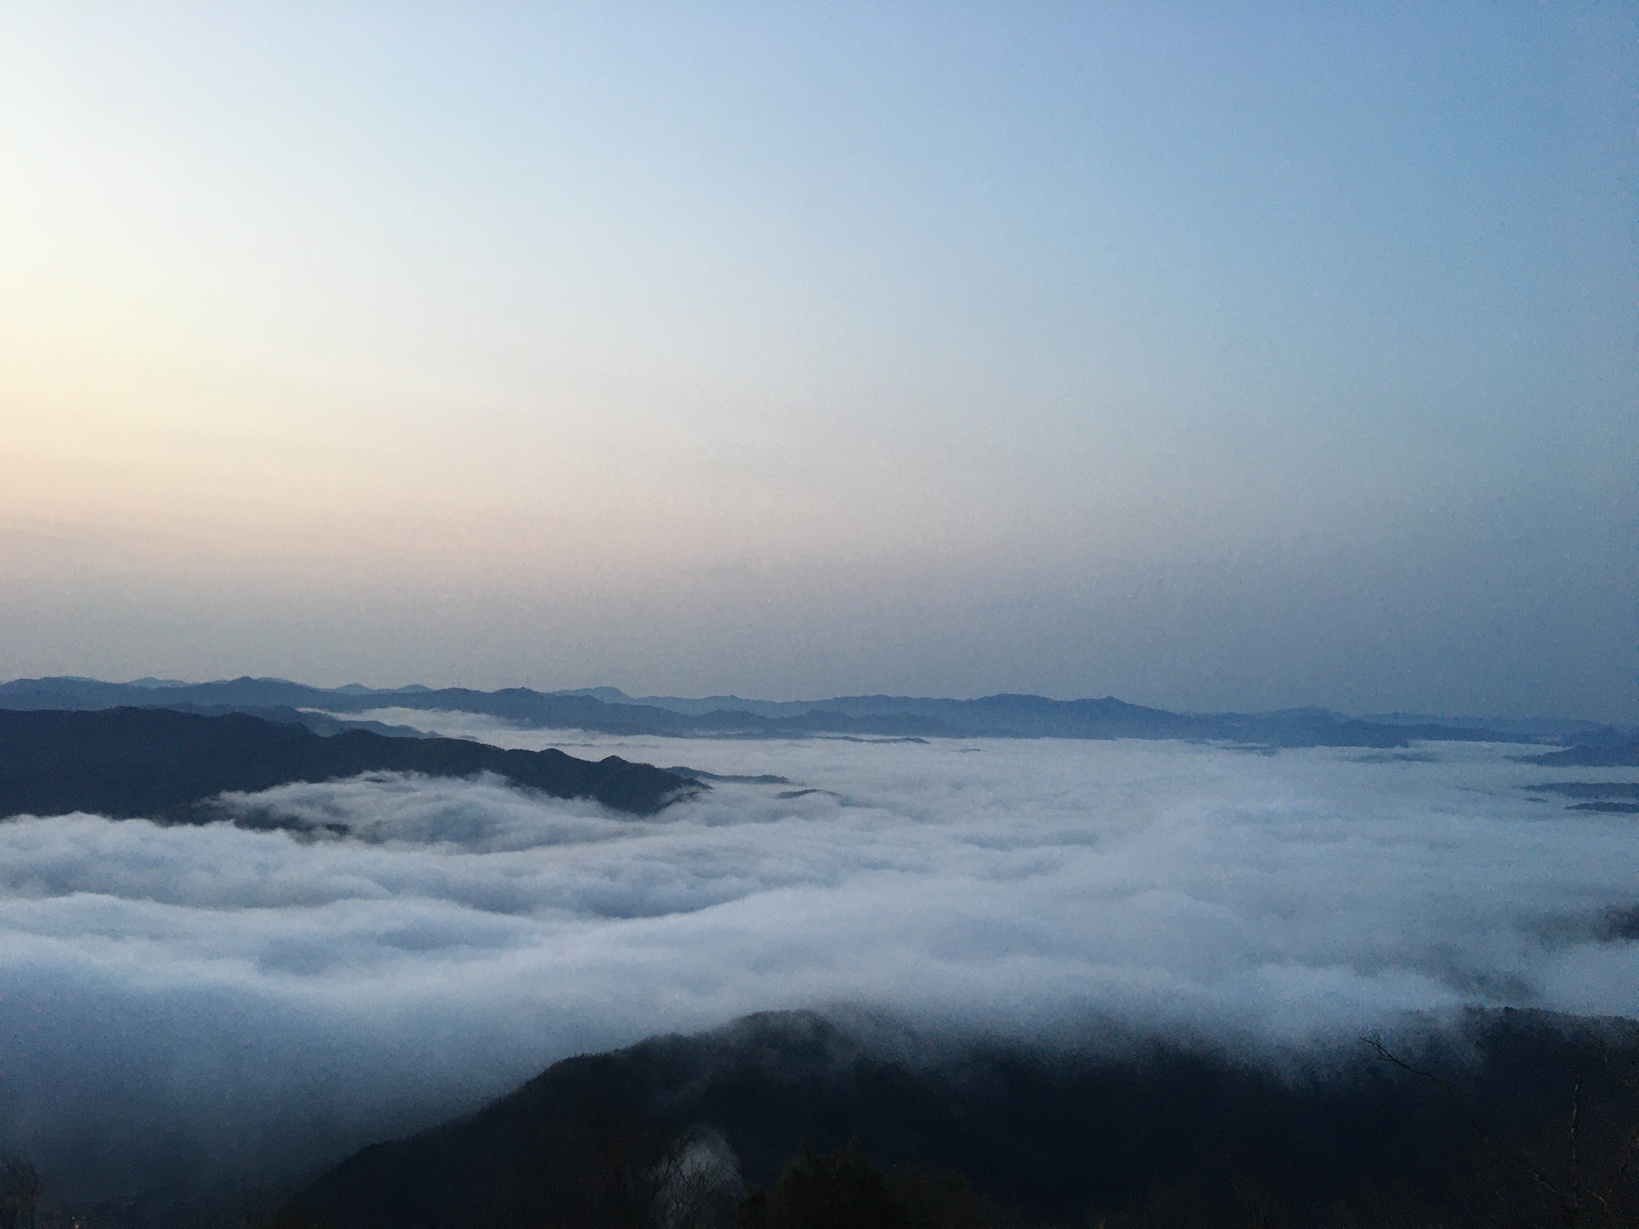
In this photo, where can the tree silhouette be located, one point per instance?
(19, 1194)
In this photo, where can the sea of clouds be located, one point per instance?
(175, 996)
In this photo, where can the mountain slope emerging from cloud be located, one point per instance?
(156, 763)
(1062, 1134)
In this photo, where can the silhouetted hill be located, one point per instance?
(1606, 753)
(160, 693)
(605, 710)
(160, 763)
(1548, 729)
(317, 721)
(1057, 1134)
(1611, 797)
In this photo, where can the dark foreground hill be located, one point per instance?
(1152, 1134)
(155, 763)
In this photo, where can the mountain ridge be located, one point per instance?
(161, 764)
(610, 711)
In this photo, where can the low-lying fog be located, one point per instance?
(174, 993)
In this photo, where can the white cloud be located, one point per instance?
(226, 992)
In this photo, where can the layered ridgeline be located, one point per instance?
(678, 1131)
(606, 710)
(167, 765)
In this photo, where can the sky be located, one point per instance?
(211, 994)
(1229, 356)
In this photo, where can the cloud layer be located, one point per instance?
(186, 995)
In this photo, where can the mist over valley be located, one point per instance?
(307, 968)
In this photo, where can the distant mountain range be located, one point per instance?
(610, 711)
(162, 749)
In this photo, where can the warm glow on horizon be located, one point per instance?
(1231, 359)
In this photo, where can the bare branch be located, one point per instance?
(1566, 1200)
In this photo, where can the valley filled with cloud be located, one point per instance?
(179, 998)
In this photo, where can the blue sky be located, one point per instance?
(1213, 356)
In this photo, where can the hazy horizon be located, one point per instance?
(1248, 357)
(641, 695)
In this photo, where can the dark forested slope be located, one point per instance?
(1060, 1135)
(161, 764)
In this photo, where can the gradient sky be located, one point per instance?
(1211, 356)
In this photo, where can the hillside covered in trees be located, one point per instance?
(791, 1120)
(159, 764)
